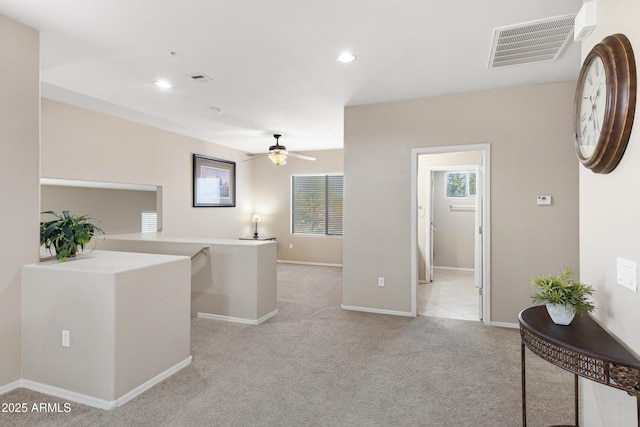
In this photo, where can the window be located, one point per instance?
(460, 184)
(316, 204)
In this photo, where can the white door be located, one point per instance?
(479, 237)
(429, 226)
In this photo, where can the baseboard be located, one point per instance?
(153, 381)
(453, 268)
(505, 325)
(101, 403)
(68, 395)
(9, 387)
(377, 311)
(321, 264)
(237, 319)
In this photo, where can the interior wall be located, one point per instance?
(609, 228)
(115, 211)
(19, 180)
(122, 151)
(454, 235)
(530, 132)
(272, 197)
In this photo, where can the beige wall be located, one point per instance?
(272, 200)
(137, 154)
(84, 145)
(609, 228)
(116, 211)
(530, 133)
(19, 180)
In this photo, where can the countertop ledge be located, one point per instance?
(160, 237)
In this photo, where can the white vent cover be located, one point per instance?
(543, 40)
(149, 222)
(200, 77)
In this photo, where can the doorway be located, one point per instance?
(451, 268)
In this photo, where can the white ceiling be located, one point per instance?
(273, 61)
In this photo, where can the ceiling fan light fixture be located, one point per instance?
(278, 158)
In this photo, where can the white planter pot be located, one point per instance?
(559, 314)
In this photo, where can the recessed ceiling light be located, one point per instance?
(163, 84)
(346, 57)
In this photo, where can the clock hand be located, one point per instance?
(593, 117)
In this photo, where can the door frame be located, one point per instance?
(485, 150)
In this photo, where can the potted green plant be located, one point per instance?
(67, 234)
(563, 296)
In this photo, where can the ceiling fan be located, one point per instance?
(278, 153)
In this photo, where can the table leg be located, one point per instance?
(575, 398)
(524, 387)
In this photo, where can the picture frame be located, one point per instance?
(214, 182)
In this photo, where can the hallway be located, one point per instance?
(451, 295)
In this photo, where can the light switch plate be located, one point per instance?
(626, 273)
(65, 338)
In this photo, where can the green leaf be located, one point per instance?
(67, 233)
(563, 290)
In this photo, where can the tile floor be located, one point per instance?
(452, 294)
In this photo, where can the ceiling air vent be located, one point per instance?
(200, 77)
(543, 40)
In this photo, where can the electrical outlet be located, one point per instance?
(381, 281)
(65, 338)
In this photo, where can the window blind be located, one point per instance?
(317, 204)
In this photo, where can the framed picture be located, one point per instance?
(214, 182)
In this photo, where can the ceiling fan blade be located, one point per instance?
(256, 156)
(301, 156)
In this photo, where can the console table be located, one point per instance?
(583, 347)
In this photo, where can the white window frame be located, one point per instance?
(467, 179)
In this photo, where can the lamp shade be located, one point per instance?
(278, 158)
(256, 218)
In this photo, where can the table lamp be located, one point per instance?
(256, 220)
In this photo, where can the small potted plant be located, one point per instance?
(563, 296)
(67, 234)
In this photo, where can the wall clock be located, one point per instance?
(605, 104)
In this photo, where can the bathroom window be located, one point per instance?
(316, 204)
(460, 184)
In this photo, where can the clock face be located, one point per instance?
(591, 107)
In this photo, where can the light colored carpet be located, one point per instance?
(315, 364)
